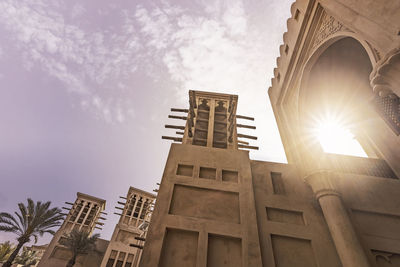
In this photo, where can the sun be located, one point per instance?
(335, 137)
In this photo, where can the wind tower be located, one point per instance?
(126, 245)
(205, 212)
(211, 122)
(84, 214)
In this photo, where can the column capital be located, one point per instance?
(323, 183)
(385, 78)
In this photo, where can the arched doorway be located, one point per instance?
(336, 88)
(336, 96)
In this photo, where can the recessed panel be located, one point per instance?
(285, 216)
(207, 173)
(185, 170)
(230, 176)
(205, 203)
(291, 251)
(377, 224)
(224, 251)
(277, 183)
(179, 248)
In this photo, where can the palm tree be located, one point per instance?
(32, 221)
(79, 242)
(5, 251)
(26, 258)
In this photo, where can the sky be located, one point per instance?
(86, 88)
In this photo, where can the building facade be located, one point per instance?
(217, 207)
(131, 229)
(84, 214)
(126, 244)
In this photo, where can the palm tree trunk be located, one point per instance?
(71, 262)
(13, 255)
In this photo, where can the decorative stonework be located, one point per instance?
(386, 256)
(377, 53)
(385, 82)
(328, 25)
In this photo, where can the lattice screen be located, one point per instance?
(389, 108)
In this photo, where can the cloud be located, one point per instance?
(205, 45)
(77, 11)
(86, 61)
(220, 49)
(213, 50)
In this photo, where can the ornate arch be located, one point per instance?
(319, 49)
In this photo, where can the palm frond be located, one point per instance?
(6, 249)
(35, 237)
(7, 218)
(79, 241)
(24, 214)
(9, 229)
(32, 220)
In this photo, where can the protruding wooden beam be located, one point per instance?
(179, 110)
(123, 197)
(175, 127)
(118, 214)
(177, 117)
(244, 117)
(100, 223)
(65, 208)
(245, 126)
(248, 147)
(119, 208)
(69, 203)
(181, 133)
(98, 228)
(155, 190)
(136, 246)
(103, 212)
(243, 142)
(122, 203)
(176, 139)
(102, 218)
(247, 136)
(65, 214)
(140, 238)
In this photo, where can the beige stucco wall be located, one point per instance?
(204, 221)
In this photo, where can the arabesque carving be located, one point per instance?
(328, 26)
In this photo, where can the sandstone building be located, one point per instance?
(84, 214)
(217, 207)
(124, 248)
(135, 211)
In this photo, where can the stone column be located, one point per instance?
(346, 242)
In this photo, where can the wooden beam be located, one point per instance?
(243, 142)
(177, 117)
(244, 117)
(179, 110)
(248, 147)
(175, 127)
(245, 126)
(247, 136)
(176, 139)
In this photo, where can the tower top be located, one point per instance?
(211, 122)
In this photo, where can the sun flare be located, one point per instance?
(336, 138)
